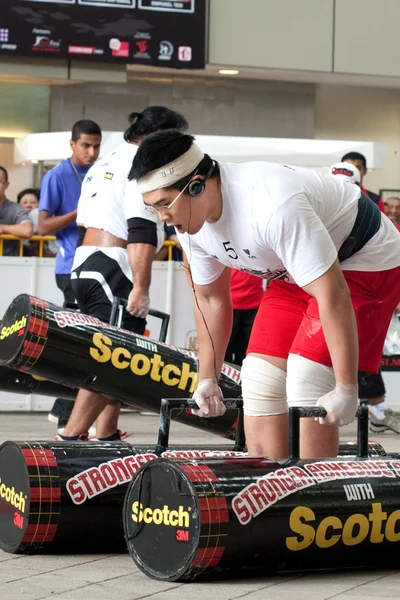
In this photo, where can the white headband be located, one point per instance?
(172, 172)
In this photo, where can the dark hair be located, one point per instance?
(355, 156)
(84, 127)
(5, 172)
(34, 191)
(153, 119)
(162, 147)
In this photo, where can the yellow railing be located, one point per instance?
(50, 238)
(35, 238)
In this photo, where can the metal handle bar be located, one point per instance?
(297, 413)
(170, 404)
(118, 306)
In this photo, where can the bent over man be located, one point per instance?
(333, 264)
(118, 241)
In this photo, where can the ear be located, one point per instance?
(72, 144)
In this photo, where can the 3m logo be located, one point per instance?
(182, 535)
(18, 520)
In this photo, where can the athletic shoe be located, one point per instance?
(92, 430)
(83, 437)
(118, 436)
(391, 422)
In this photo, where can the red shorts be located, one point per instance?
(288, 319)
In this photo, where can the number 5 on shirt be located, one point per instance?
(231, 252)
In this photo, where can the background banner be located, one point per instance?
(154, 32)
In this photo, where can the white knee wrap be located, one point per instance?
(307, 381)
(263, 388)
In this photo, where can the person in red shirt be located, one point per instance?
(359, 160)
(371, 387)
(247, 292)
(392, 208)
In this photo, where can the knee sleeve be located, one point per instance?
(307, 381)
(263, 388)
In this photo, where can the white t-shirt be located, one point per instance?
(108, 199)
(281, 222)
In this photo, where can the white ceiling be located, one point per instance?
(211, 71)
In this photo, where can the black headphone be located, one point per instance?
(197, 186)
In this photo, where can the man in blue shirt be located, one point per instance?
(60, 191)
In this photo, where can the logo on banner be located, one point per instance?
(142, 49)
(185, 53)
(4, 38)
(4, 35)
(44, 43)
(119, 48)
(166, 50)
(89, 50)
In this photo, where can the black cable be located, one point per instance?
(197, 302)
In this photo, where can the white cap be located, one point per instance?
(346, 171)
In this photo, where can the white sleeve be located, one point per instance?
(81, 213)
(300, 239)
(205, 269)
(134, 207)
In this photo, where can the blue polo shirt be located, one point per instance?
(59, 195)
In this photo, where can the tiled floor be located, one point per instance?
(116, 577)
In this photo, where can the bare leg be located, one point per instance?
(318, 441)
(107, 422)
(268, 436)
(88, 406)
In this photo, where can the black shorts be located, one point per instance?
(95, 284)
(63, 282)
(241, 329)
(370, 385)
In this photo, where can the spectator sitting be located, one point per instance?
(29, 200)
(13, 218)
(392, 209)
